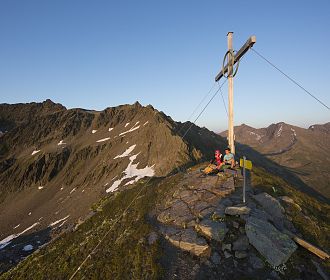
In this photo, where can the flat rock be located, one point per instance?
(229, 184)
(237, 210)
(178, 214)
(190, 200)
(188, 240)
(199, 207)
(206, 212)
(185, 193)
(205, 187)
(212, 229)
(275, 246)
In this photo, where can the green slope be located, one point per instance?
(124, 254)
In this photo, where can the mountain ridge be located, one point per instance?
(304, 151)
(55, 163)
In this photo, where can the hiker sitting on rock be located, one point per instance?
(215, 164)
(229, 159)
(217, 160)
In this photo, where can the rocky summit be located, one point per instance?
(119, 194)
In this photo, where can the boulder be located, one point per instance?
(212, 229)
(260, 214)
(270, 204)
(237, 210)
(188, 240)
(273, 207)
(275, 246)
(289, 202)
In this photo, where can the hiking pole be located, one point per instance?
(244, 178)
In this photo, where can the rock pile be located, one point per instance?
(192, 215)
(205, 217)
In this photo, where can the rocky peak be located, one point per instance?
(324, 128)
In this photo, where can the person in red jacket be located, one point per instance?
(217, 160)
(215, 164)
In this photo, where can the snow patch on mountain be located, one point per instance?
(102, 140)
(58, 221)
(35, 152)
(133, 172)
(126, 153)
(134, 127)
(6, 241)
(279, 132)
(61, 143)
(258, 137)
(94, 131)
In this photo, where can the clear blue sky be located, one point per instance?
(96, 54)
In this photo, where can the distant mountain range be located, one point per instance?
(303, 152)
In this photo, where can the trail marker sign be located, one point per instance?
(247, 164)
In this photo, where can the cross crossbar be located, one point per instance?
(249, 43)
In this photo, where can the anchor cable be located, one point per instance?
(291, 79)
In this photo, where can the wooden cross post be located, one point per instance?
(229, 70)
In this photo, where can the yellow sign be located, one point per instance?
(248, 164)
